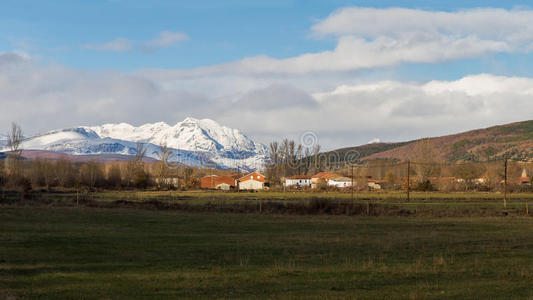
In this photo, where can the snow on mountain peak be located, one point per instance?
(192, 140)
(190, 134)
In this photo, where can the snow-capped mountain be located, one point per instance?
(193, 142)
(190, 134)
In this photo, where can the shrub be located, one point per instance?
(424, 186)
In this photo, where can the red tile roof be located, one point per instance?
(254, 175)
(325, 175)
(211, 181)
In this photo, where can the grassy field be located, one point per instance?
(92, 253)
(421, 203)
(299, 195)
(203, 197)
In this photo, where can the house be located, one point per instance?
(325, 176)
(480, 180)
(373, 184)
(220, 182)
(298, 181)
(340, 182)
(524, 179)
(252, 181)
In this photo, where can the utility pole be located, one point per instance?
(284, 178)
(352, 183)
(213, 182)
(505, 185)
(408, 178)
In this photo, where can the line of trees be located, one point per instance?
(63, 173)
(287, 158)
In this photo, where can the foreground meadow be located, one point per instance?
(94, 253)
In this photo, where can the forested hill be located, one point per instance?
(514, 140)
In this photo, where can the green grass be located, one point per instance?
(431, 200)
(424, 204)
(388, 203)
(65, 253)
(298, 195)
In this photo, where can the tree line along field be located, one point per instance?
(93, 253)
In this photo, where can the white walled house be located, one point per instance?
(373, 185)
(299, 181)
(252, 181)
(315, 179)
(340, 182)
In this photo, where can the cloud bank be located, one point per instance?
(47, 97)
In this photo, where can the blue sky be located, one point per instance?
(219, 31)
(254, 65)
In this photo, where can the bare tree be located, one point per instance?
(469, 173)
(284, 150)
(64, 172)
(274, 163)
(140, 152)
(14, 143)
(91, 174)
(165, 154)
(114, 176)
(426, 160)
(136, 166)
(14, 138)
(316, 162)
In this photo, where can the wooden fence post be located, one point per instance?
(505, 185)
(408, 179)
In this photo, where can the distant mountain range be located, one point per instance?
(514, 140)
(194, 142)
(205, 142)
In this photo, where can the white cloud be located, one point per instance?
(369, 38)
(399, 110)
(275, 97)
(45, 97)
(512, 26)
(481, 85)
(163, 39)
(352, 53)
(166, 39)
(116, 45)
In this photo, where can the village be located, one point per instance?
(256, 181)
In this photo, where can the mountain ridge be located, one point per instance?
(193, 141)
(511, 140)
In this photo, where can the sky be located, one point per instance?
(348, 71)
